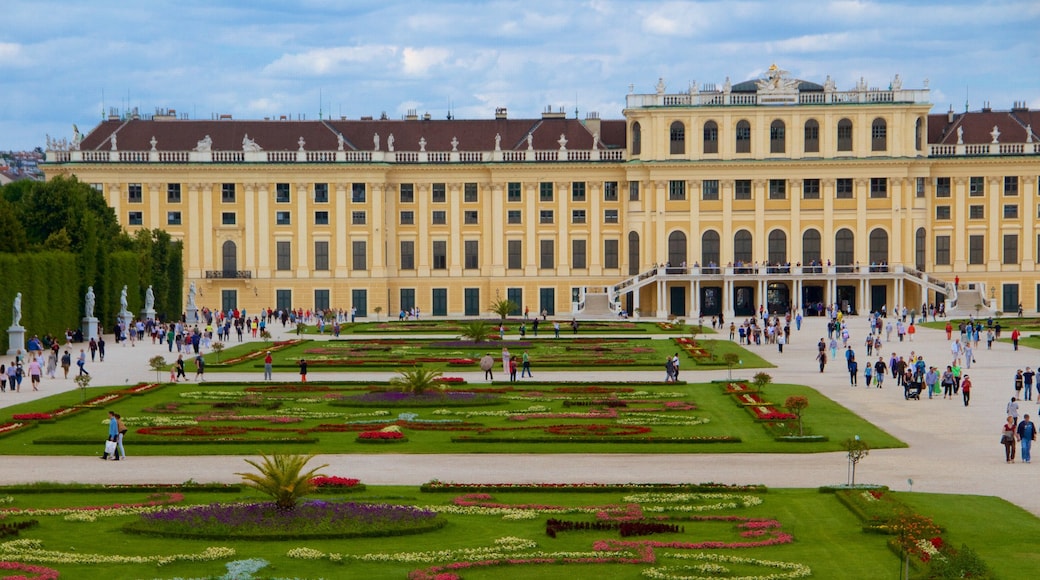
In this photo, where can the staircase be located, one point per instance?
(597, 306)
(967, 298)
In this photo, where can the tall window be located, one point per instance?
(134, 193)
(844, 247)
(469, 193)
(742, 250)
(676, 248)
(879, 135)
(471, 254)
(440, 255)
(514, 254)
(438, 193)
(578, 256)
(359, 255)
(633, 253)
(471, 301)
(711, 248)
(358, 193)
(919, 248)
(546, 254)
(610, 191)
(359, 300)
(777, 189)
(711, 137)
(942, 250)
(1010, 249)
(439, 301)
(282, 193)
(676, 190)
(407, 255)
(710, 190)
(677, 138)
(321, 193)
(843, 188)
(977, 186)
(1011, 185)
(812, 136)
(173, 193)
(321, 255)
(578, 191)
(777, 137)
(878, 242)
(942, 187)
(878, 187)
(610, 253)
(742, 189)
(545, 191)
(811, 252)
(283, 251)
(811, 188)
(976, 249)
(407, 193)
(229, 259)
(514, 191)
(637, 139)
(777, 247)
(227, 192)
(633, 191)
(321, 299)
(743, 137)
(844, 135)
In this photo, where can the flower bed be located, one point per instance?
(15, 427)
(381, 437)
(436, 486)
(596, 439)
(431, 399)
(32, 417)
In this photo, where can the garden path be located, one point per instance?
(952, 449)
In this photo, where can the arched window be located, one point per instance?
(919, 133)
(844, 247)
(742, 247)
(710, 248)
(777, 137)
(677, 138)
(676, 248)
(637, 139)
(777, 247)
(743, 137)
(878, 246)
(844, 135)
(811, 247)
(879, 135)
(229, 258)
(711, 137)
(919, 249)
(812, 136)
(633, 253)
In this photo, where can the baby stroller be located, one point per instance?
(912, 391)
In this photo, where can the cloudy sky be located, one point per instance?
(66, 61)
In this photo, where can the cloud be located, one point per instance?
(10, 52)
(419, 61)
(328, 61)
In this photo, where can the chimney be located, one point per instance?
(592, 122)
(949, 115)
(501, 113)
(411, 115)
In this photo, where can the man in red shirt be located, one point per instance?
(1014, 337)
(267, 366)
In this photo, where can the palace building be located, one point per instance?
(774, 192)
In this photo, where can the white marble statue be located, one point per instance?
(16, 310)
(897, 83)
(122, 302)
(660, 85)
(960, 135)
(153, 142)
(301, 143)
(1029, 133)
(530, 141)
(829, 85)
(149, 299)
(191, 297)
(995, 133)
(498, 141)
(390, 142)
(454, 143)
(113, 140)
(375, 142)
(206, 144)
(422, 143)
(250, 146)
(595, 141)
(89, 299)
(563, 142)
(339, 142)
(77, 137)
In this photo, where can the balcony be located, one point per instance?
(229, 274)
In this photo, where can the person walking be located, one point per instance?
(1027, 383)
(880, 368)
(1026, 432)
(512, 370)
(487, 364)
(821, 357)
(200, 369)
(853, 370)
(113, 436)
(526, 368)
(1007, 437)
(179, 367)
(121, 427)
(81, 362)
(966, 389)
(34, 373)
(1019, 383)
(268, 366)
(1012, 410)
(303, 370)
(1015, 335)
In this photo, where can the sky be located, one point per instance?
(65, 62)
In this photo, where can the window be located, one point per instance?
(844, 135)
(743, 137)
(811, 242)
(407, 194)
(516, 296)
(811, 189)
(633, 191)
(942, 250)
(1011, 185)
(283, 299)
(471, 301)
(610, 191)
(976, 249)
(877, 248)
(173, 193)
(577, 216)
(711, 137)
(439, 299)
(321, 299)
(514, 192)
(358, 193)
(942, 212)
(545, 216)
(777, 189)
(134, 193)
(676, 248)
(546, 254)
(844, 247)
(919, 250)
(439, 217)
(578, 254)
(469, 193)
(514, 254)
(283, 251)
(321, 193)
(407, 218)
(879, 135)
(1010, 249)
(359, 255)
(610, 216)
(633, 253)
(777, 139)
(878, 187)
(578, 191)
(440, 255)
(321, 255)
(407, 255)
(710, 190)
(357, 218)
(229, 258)
(812, 136)
(547, 300)
(228, 218)
(843, 188)
(976, 212)
(977, 186)
(742, 189)
(281, 193)
(173, 218)
(227, 193)
(776, 250)
(471, 249)
(742, 250)
(610, 254)
(98, 187)
(470, 217)
(282, 218)
(942, 187)
(407, 299)
(677, 138)
(545, 191)
(321, 218)
(1011, 211)
(920, 186)
(513, 216)
(438, 193)
(676, 190)
(637, 139)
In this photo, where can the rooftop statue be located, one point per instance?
(250, 146)
(206, 144)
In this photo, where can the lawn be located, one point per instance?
(798, 527)
(327, 417)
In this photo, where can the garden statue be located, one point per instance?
(16, 314)
(89, 299)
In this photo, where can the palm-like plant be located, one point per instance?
(282, 478)
(416, 380)
(504, 308)
(476, 330)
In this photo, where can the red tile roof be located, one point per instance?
(978, 126)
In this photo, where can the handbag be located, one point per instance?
(110, 447)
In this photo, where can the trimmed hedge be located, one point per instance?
(440, 522)
(595, 439)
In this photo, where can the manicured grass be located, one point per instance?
(243, 418)
(827, 537)
(454, 327)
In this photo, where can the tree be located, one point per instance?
(282, 478)
(760, 380)
(504, 308)
(218, 347)
(377, 310)
(157, 364)
(416, 380)
(797, 405)
(475, 330)
(856, 449)
(82, 381)
(731, 359)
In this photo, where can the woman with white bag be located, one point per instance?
(113, 437)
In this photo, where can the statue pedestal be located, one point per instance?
(16, 339)
(90, 328)
(191, 316)
(127, 320)
(148, 314)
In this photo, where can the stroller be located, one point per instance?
(912, 390)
